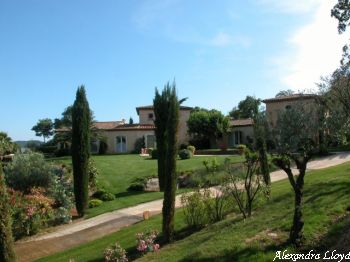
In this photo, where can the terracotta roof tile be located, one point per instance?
(150, 107)
(134, 127)
(241, 122)
(108, 125)
(289, 98)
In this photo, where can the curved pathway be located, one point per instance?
(79, 232)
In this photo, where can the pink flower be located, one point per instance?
(156, 247)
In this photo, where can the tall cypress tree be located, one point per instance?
(81, 149)
(160, 105)
(166, 109)
(7, 253)
(170, 163)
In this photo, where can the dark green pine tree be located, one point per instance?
(81, 121)
(160, 106)
(7, 253)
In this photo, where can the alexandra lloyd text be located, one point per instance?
(328, 256)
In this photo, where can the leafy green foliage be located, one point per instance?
(243, 183)
(27, 171)
(192, 149)
(44, 128)
(206, 124)
(185, 154)
(341, 11)
(7, 253)
(203, 207)
(6, 144)
(95, 203)
(247, 108)
(296, 133)
(139, 144)
(103, 195)
(261, 134)
(81, 121)
(284, 93)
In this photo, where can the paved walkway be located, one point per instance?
(79, 232)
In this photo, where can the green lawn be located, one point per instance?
(117, 172)
(327, 196)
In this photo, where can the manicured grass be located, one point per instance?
(327, 195)
(117, 172)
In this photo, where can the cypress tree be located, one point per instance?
(160, 105)
(166, 109)
(170, 163)
(81, 149)
(7, 253)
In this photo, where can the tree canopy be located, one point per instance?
(44, 128)
(247, 108)
(208, 123)
(341, 11)
(283, 93)
(6, 144)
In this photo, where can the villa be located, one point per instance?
(121, 137)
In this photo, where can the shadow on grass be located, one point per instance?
(337, 237)
(246, 254)
(130, 193)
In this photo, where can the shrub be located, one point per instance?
(146, 241)
(62, 192)
(6, 241)
(241, 149)
(47, 149)
(192, 149)
(136, 187)
(184, 178)
(103, 195)
(115, 253)
(139, 144)
(217, 205)
(194, 209)
(154, 154)
(95, 203)
(93, 175)
(27, 171)
(62, 152)
(31, 212)
(185, 154)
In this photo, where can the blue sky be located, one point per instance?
(217, 51)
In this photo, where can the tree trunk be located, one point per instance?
(296, 233)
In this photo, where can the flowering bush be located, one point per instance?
(145, 241)
(115, 253)
(62, 192)
(30, 212)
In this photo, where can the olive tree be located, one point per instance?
(296, 136)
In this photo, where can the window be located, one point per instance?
(121, 144)
(288, 107)
(151, 141)
(150, 116)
